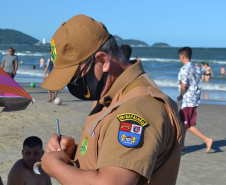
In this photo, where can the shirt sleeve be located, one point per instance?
(16, 59)
(184, 76)
(3, 60)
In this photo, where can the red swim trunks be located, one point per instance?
(188, 116)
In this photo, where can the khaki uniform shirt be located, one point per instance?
(139, 131)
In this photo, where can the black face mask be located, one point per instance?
(88, 87)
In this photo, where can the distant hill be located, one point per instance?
(130, 42)
(8, 36)
(160, 44)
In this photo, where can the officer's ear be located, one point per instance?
(104, 60)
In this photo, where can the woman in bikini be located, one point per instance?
(203, 71)
(208, 72)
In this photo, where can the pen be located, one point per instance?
(58, 129)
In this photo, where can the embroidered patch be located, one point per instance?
(130, 130)
(53, 50)
(84, 146)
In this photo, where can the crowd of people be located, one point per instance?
(206, 72)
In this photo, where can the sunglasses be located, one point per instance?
(74, 80)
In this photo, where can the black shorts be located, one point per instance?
(11, 74)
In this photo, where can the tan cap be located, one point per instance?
(72, 43)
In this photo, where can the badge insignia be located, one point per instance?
(84, 146)
(130, 130)
(53, 50)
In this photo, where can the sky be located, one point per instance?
(194, 23)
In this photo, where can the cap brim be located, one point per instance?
(58, 78)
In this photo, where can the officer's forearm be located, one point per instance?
(55, 165)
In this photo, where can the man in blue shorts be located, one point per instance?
(189, 80)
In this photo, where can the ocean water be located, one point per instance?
(162, 64)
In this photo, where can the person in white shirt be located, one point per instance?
(190, 83)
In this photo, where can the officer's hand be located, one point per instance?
(50, 159)
(67, 144)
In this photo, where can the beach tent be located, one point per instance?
(12, 96)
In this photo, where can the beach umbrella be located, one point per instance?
(12, 96)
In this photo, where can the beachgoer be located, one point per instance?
(132, 135)
(10, 63)
(223, 71)
(42, 62)
(203, 71)
(48, 69)
(126, 51)
(197, 66)
(22, 171)
(135, 60)
(208, 72)
(189, 79)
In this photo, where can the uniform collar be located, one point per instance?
(123, 80)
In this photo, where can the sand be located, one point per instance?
(39, 119)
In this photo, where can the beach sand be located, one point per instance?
(39, 119)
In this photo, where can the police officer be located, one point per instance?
(132, 135)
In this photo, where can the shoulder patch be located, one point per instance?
(130, 129)
(84, 145)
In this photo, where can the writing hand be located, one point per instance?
(67, 144)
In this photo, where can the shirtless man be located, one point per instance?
(223, 71)
(42, 62)
(197, 66)
(22, 172)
